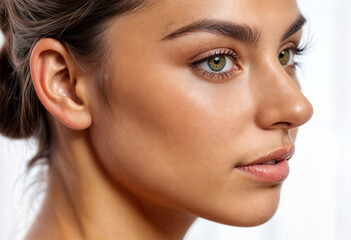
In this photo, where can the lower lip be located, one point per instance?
(267, 173)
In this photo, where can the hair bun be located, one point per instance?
(10, 89)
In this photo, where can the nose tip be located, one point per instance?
(302, 112)
(293, 116)
(285, 108)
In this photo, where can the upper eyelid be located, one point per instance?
(290, 43)
(216, 52)
(296, 48)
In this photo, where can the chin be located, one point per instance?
(249, 219)
(257, 209)
(249, 210)
(255, 219)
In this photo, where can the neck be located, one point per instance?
(83, 203)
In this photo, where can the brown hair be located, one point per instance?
(77, 24)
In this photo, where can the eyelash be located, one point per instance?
(223, 76)
(299, 50)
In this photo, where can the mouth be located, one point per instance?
(271, 162)
(271, 168)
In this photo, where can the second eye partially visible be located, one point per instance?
(287, 56)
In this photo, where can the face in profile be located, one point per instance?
(202, 106)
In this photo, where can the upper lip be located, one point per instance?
(278, 154)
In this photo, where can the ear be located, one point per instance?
(59, 84)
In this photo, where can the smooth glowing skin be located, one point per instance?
(164, 148)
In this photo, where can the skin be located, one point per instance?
(162, 147)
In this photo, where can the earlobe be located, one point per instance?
(55, 76)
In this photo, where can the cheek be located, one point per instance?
(167, 126)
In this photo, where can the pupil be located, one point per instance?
(217, 60)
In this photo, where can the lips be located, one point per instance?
(271, 168)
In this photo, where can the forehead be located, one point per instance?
(172, 14)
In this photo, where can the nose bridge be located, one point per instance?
(280, 102)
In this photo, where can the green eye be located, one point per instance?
(217, 63)
(285, 57)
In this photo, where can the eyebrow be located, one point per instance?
(294, 28)
(240, 32)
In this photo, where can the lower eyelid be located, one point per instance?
(215, 77)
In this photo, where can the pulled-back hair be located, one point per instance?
(77, 24)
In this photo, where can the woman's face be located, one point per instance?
(199, 89)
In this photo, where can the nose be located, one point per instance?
(279, 100)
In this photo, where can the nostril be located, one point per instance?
(283, 124)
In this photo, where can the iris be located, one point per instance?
(217, 63)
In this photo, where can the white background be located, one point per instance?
(316, 198)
